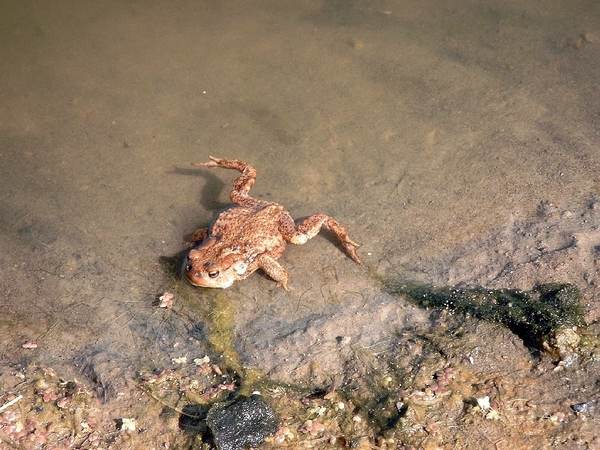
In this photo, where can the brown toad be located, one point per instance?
(250, 235)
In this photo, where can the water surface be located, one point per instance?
(423, 127)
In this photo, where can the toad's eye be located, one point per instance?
(213, 273)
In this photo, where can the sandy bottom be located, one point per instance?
(457, 142)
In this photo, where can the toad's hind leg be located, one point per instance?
(242, 185)
(309, 227)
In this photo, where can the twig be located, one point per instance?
(43, 335)
(174, 408)
(20, 220)
(12, 402)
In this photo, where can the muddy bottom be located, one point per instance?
(365, 368)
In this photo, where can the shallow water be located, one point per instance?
(434, 131)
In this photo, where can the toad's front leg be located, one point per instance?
(197, 237)
(309, 227)
(274, 270)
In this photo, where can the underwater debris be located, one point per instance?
(166, 300)
(536, 316)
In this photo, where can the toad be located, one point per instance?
(250, 235)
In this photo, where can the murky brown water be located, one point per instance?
(434, 131)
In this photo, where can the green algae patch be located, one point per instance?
(214, 313)
(219, 317)
(221, 334)
(535, 316)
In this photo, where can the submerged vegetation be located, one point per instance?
(535, 316)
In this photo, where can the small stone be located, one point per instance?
(484, 403)
(432, 427)
(49, 395)
(180, 360)
(128, 424)
(582, 408)
(493, 415)
(166, 300)
(200, 361)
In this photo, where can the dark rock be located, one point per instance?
(242, 424)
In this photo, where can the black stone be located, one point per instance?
(241, 424)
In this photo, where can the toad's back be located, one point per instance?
(251, 230)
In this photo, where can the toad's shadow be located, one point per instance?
(209, 194)
(211, 191)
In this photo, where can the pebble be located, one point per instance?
(582, 407)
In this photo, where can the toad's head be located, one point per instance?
(208, 268)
